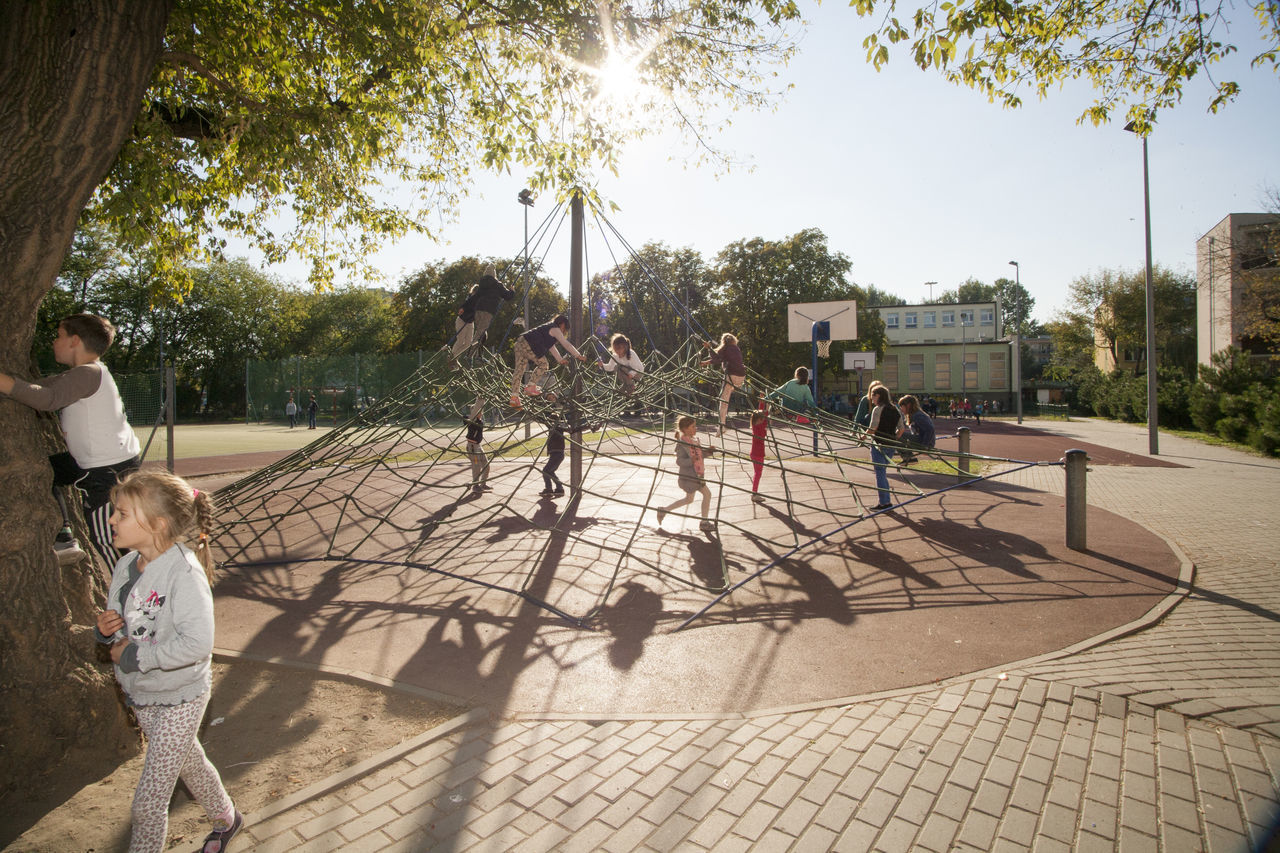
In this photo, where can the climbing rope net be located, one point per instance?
(392, 489)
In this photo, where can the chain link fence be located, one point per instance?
(142, 394)
(343, 385)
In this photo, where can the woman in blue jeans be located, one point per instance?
(884, 433)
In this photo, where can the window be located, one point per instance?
(890, 371)
(948, 318)
(942, 371)
(998, 375)
(910, 319)
(971, 371)
(929, 318)
(891, 320)
(966, 318)
(915, 372)
(987, 317)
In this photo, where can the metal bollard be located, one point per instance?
(1077, 526)
(962, 440)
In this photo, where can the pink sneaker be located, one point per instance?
(532, 390)
(514, 402)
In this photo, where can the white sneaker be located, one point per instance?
(68, 552)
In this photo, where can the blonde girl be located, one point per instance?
(159, 626)
(735, 371)
(692, 471)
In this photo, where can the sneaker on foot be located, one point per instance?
(532, 390)
(708, 525)
(546, 493)
(558, 493)
(757, 497)
(68, 551)
(216, 841)
(881, 507)
(514, 402)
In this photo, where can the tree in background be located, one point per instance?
(651, 296)
(1137, 55)
(1111, 306)
(757, 280)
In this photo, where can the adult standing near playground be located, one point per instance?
(532, 348)
(795, 395)
(489, 294)
(884, 433)
(291, 409)
(735, 371)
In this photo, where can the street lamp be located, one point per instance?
(1153, 440)
(525, 197)
(1017, 340)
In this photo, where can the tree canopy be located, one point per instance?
(1137, 55)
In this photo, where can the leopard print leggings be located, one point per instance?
(173, 752)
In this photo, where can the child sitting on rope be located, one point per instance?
(735, 371)
(533, 347)
(917, 431)
(623, 363)
(692, 471)
(795, 396)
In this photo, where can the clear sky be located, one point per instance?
(916, 180)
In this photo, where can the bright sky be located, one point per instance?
(915, 180)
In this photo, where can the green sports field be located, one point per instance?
(194, 440)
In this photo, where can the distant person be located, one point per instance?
(101, 445)
(533, 347)
(312, 408)
(884, 434)
(729, 356)
(555, 455)
(977, 413)
(916, 430)
(692, 471)
(795, 395)
(291, 409)
(159, 628)
(623, 363)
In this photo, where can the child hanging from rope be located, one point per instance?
(555, 455)
(692, 471)
(159, 627)
(759, 431)
(735, 371)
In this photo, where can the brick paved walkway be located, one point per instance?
(1167, 738)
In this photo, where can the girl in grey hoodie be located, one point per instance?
(159, 626)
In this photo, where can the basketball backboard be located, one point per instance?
(859, 361)
(842, 315)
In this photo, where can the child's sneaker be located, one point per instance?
(558, 493)
(707, 525)
(546, 493)
(532, 390)
(757, 497)
(217, 841)
(514, 402)
(68, 552)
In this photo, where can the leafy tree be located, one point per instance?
(343, 322)
(878, 297)
(759, 278)
(167, 118)
(1137, 55)
(652, 297)
(1112, 305)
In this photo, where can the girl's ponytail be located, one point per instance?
(202, 525)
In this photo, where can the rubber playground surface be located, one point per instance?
(955, 582)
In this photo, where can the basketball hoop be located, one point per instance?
(824, 348)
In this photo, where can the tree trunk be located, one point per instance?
(73, 74)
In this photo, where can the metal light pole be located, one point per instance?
(1017, 341)
(930, 284)
(1153, 439)
(525, 198)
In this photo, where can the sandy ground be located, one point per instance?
(270, 732)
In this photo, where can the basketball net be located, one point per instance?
(824, 348)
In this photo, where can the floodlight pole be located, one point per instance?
(577, 247)
(1153, 439)
(525, 197)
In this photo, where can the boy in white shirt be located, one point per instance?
(102, 446)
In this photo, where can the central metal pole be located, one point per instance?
(577, 246)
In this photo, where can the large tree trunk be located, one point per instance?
(73, 75)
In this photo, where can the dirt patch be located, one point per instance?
(270, 731)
